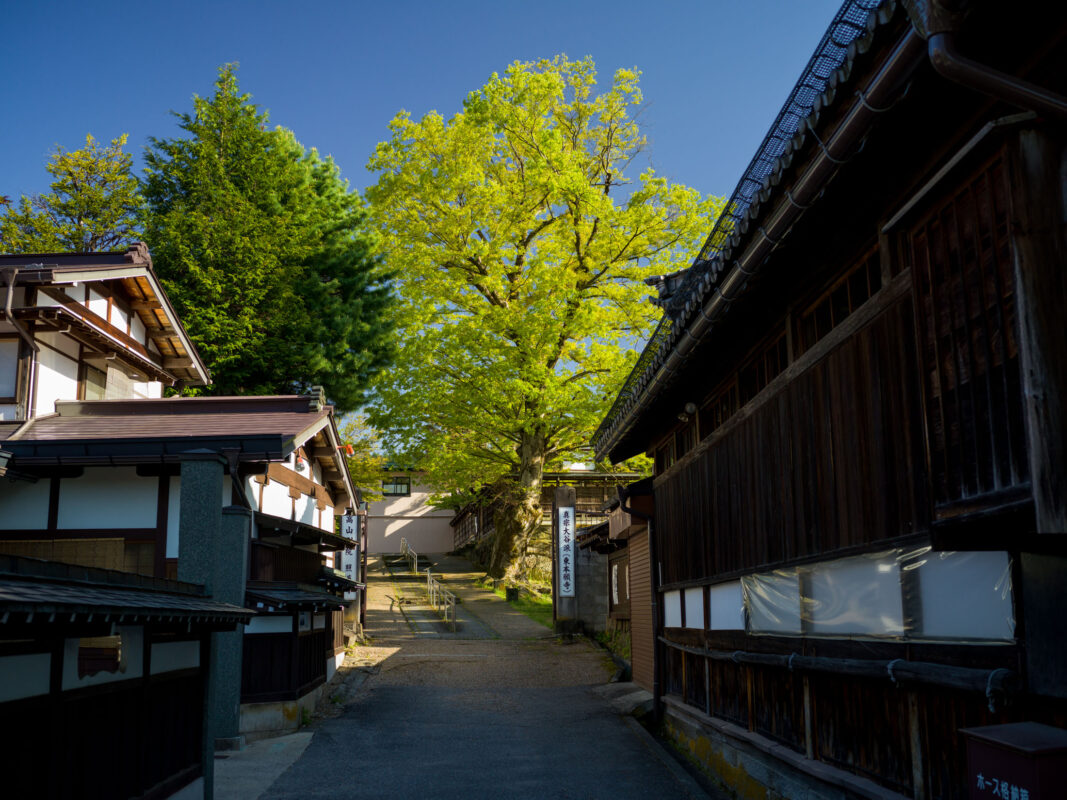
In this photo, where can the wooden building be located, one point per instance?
(102, 676)
(855, 401)
(113, 476)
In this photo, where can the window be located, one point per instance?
(396, 486)
(854, 289)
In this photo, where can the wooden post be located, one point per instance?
(918, 773)
(1041, 283)
(809, 740)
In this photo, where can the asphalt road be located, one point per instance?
(495, 711)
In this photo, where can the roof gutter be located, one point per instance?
(833, 151)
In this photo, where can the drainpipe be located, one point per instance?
(11, 275)
(657, 648)
(937, 21)
(950, 64)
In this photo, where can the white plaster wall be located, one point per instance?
(276, 500)
(119, 318)
(97, 304)
(174, 506)
(270, 625)
(24, 505)
(24, 676)
(61, 342)
(137, 329)
(132, 650)
(426, 528)
(147, 388)
(9, 362)
(252, 491)
(57, 379)
(425, 535)
(727, 607)
(173, 656)
(672, 609)
(306, 510)
(108, 497)
(694, 608)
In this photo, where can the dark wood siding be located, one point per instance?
(965, 296)
(641, 628)
(829, 461)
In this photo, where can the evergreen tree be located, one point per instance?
(92, 206)
(263, 249)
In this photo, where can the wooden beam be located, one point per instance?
(173, 363)
(145, 305)
(161, 333)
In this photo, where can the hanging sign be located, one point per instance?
(566, 552)
(350, 556)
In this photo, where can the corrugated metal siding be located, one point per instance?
(642, 632)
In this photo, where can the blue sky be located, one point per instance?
(714, 73)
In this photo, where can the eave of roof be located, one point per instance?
(133, 264)
(762, 182)
(32, 588)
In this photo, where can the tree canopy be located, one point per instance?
(520, 246)
(92, 206)
(264, 251)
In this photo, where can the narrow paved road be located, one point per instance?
(499, 709)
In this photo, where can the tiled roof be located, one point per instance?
(31, 586)
(151, 424)
(277, 598)
(683, 294)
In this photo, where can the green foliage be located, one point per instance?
(520, 247)
(367, 461)
(263, 249)
(92, 206)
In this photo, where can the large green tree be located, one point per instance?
(92, 206)
(521, 247)
(265, 252)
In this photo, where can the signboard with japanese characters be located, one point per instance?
(566, 552)
(350, 556)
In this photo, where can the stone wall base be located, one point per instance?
(752, 767)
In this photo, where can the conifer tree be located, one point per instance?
(263, 249)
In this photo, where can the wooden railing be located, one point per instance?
(272, 563)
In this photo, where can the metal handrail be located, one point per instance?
(443, 601)
(411, 556)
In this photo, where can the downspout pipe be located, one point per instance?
(951, 64)
(11, 275)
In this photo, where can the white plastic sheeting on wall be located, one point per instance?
(694, 608)
(773, 601)
(858, 595)
(898, 594)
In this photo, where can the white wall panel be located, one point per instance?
(98, 304)
(24, 504)
(276, 500)
(132, 651)
(57, 379)
(172, 656)
(137, 329)
(672, 609)
(857, 596)
(24, 676)
(174, 506)
(694, 608)
(727, 607)
(108, 497)
(773, 601)
(967, 595)
(270, 625)
(9, 364)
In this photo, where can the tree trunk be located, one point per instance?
(518, 514)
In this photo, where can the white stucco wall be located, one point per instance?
(427, 529)
(108, 497)
(24, 505)
(57, 379)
